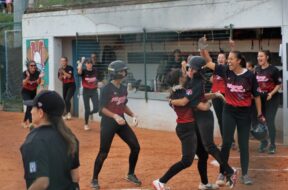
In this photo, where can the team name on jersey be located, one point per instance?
(119, 100)
(90, 79)
(235, 88)
(261, 78)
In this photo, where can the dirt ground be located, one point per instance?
(158, 151)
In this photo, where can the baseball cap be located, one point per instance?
(49, 101)
(196, 63)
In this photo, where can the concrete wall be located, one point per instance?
(176, 15)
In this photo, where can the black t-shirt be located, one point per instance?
(184, 113)
(89, 78)
(44, 154)
(68, 69)
(238, 88)
(195, 90)
(114, 99)
(32, 83)
(267, 78)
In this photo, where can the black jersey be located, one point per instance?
(89, 78)
(114, 99)
(44, 154)
(238, 88)
(267, 78)
(33, 81)
(68, 69)
(195, 91)
(184, 113)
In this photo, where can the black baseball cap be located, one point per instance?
(49, 101)
(196, 63)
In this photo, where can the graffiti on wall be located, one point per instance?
(37, 50)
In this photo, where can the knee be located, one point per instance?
(135, 149)
(203, 157)
(187, 161)
(210, 147)
(101, 156)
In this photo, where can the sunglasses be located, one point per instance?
(32, 65)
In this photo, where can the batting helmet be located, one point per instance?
(196, 63)
(115, 67)
(260, 131)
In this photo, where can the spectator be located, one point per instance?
(175, 63)
(98, 66)
(9, 6)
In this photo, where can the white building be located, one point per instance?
(71, 32)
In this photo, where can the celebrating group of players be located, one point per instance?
(237, 92)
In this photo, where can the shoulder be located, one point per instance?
(273, 68)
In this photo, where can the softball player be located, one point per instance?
(205, 126)
(240, 86)
(269, 82)
(89, 84)
(31, 80)
(66, 75)
(50, 152)
(113, 100)
(218, 85)
(185, 128)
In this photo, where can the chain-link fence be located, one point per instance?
(11, 65)
(152, 55)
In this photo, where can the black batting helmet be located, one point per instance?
(196, 63)
(260, 131)
(115, 67)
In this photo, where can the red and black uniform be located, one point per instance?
(115, 99)
(69, 86)
(185, 131)
(238, 93)
(89, 84)
(268, 79)
(205, 132)
(29, 91)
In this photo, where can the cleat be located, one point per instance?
(232, 179)
(95, 184)
(157, 185)
(220, 180)
(133, 179)
(86, 128)
(68, 116)
(208, 186)
(272, 149)
(246, 180)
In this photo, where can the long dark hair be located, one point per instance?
(65, 132)
(240, 57)
(173, 77)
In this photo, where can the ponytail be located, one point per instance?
(58, 123)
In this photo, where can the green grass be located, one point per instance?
(6, 18)
(49, 3)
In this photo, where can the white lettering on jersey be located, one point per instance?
(261, 78)
(90, 80)
(235, 88)
(119, 100)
